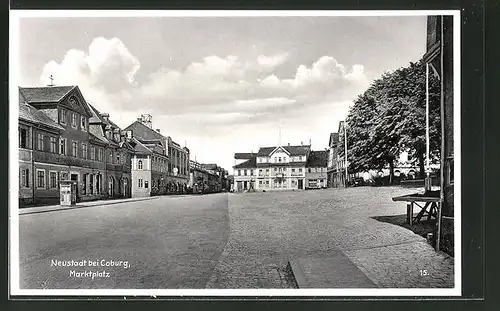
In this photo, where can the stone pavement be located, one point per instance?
(268, 230)
(52, 208)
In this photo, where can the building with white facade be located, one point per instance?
(279, 168)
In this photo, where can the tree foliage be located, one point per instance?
(389, 118)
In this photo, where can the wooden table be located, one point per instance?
(430, 206)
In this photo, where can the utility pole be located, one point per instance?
(428, 183)
(345, 153)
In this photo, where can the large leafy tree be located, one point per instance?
(389, 118)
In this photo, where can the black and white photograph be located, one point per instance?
(246, 153)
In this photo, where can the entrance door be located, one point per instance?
(301, 184)
(245, 185)
(74, 177)
(111, 186)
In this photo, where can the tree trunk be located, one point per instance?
(421, 165)
(391, 171)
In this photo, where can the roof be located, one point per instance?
(143, 132)
(31, 114)
(317, 159)
(139, 147)
(244, 156)
(49, 94)
(252, 163)
(292, 150)
(334, 138)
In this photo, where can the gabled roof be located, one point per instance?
(49, 94)
(143, 132)
(292, 150)
(244, 156)
(317, 159)
(139, 147)
(334, 138)
(31, 114)
(252, 163)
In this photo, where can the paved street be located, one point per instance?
(169, 242)
(229, 241)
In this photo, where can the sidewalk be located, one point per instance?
(53, 208)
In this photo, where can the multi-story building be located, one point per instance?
(57, 141)
(207, 178)
(276, 168)
(160, 165)
(316, 170)
(332, 159)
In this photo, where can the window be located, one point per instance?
(275, 169)
(62, 146)
(91, 184)
(84, 183)
(251, 172)
(146, 184)
(63, 116)
(139, 165)
(84, 151)
(260, 182)
(267, 171)
(279, 159)
(245, 172)
(25, 178)
(101, 154)
(260, 172)
(118, 157)
(110, 158)
(239, 172)
(92, 152)
(40, 174)
(293, 170)
(139, 183)
(53, 145)
(40, 142)
(267, 182)
(309, 169)
(84, 124)
(74, 149)
(73, 120)
(300, 170)
(23, 138)
(53, 180)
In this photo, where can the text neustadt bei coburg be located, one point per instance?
(89, 263)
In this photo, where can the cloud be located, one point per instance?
(272, 61)
(213, 93)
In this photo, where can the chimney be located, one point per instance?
(309, 141)
(105, 116)
(158, 130)
(288, 144)
(139, 119)
(302, 143)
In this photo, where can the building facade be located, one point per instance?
(160, 165)
(316, 170)
(280, 168)
(57, 142)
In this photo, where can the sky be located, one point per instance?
(221, 85)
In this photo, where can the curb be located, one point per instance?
(82, 206)
(297, 273)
